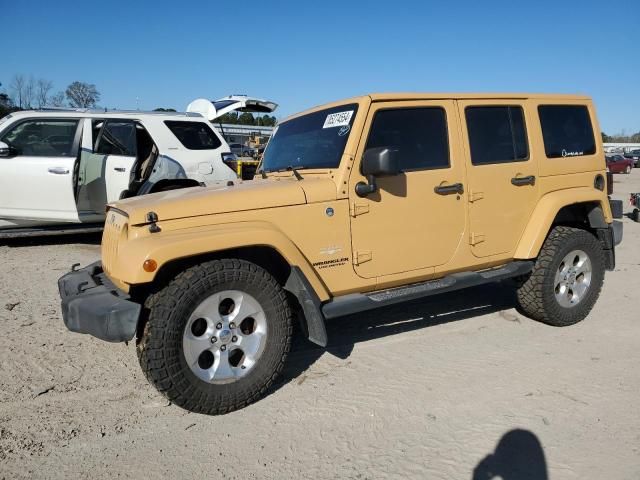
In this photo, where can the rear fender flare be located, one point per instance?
(546, 211)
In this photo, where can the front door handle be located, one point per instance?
(59, 170)
(519, 181)
(119, 169)
(449, 189)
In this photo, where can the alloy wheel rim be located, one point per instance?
(573, 278)
(225, 336)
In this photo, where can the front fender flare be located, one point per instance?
(165, 247)
(314, 321)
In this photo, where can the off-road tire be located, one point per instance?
(160, 350)
(536, 297)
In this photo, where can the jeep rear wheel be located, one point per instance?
(566, 279)
(216, 336)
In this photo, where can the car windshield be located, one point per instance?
(315, 140)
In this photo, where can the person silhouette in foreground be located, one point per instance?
(518, 456)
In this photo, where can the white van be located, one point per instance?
(58, 168)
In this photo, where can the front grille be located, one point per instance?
(115, 228)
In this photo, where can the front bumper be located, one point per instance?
(92, 304)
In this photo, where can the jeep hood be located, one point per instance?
(249, 195)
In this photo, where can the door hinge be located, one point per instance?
(476, 238)
(475, 196)
(358, 209)
(361, 256)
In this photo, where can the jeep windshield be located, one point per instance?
(315, 140)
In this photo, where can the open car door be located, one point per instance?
(107, 159)
(212, 109)
(37, 170)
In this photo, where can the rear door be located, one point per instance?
(501, 174)
(107, 159)
(37, 178)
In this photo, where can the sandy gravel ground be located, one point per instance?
(456, 387)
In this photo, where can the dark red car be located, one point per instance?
(619, 164)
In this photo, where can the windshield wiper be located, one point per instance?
(290, 168)
(295, 171)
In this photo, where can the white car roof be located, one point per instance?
(88, 113)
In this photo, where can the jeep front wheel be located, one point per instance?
(566, 279)
(216, 336)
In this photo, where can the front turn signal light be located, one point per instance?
(150, 265)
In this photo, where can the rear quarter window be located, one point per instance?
(566, 130)
(194, 135)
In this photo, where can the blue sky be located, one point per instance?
(301, 54)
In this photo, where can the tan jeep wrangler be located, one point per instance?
(357, 204)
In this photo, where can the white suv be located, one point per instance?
(58, 168)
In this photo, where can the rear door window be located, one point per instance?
(194, 135)
(117, 137)
(567, 130)
(419, 134)
(497, 134)
(43, 137)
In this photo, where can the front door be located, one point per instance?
(37, 177)
(502, 183)
(415, 220)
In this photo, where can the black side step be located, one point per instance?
(62, 229)
(358, 302)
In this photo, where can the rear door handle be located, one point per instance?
(120, 169)
(59, 170)
(449, 189)
(519, 181)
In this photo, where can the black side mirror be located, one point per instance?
(377, 162)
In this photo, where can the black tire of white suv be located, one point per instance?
(216, 336)
(566, 279)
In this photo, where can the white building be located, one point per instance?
(620, 147)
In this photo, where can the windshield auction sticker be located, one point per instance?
(338, 119)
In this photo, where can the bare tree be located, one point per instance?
(17, 86)
(57, 100)
(29, 92)
(82, 95)
(43, 88)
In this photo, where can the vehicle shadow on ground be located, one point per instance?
(76, 238)
(346, 331)
(518, 456)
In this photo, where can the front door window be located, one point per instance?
(42, 138)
